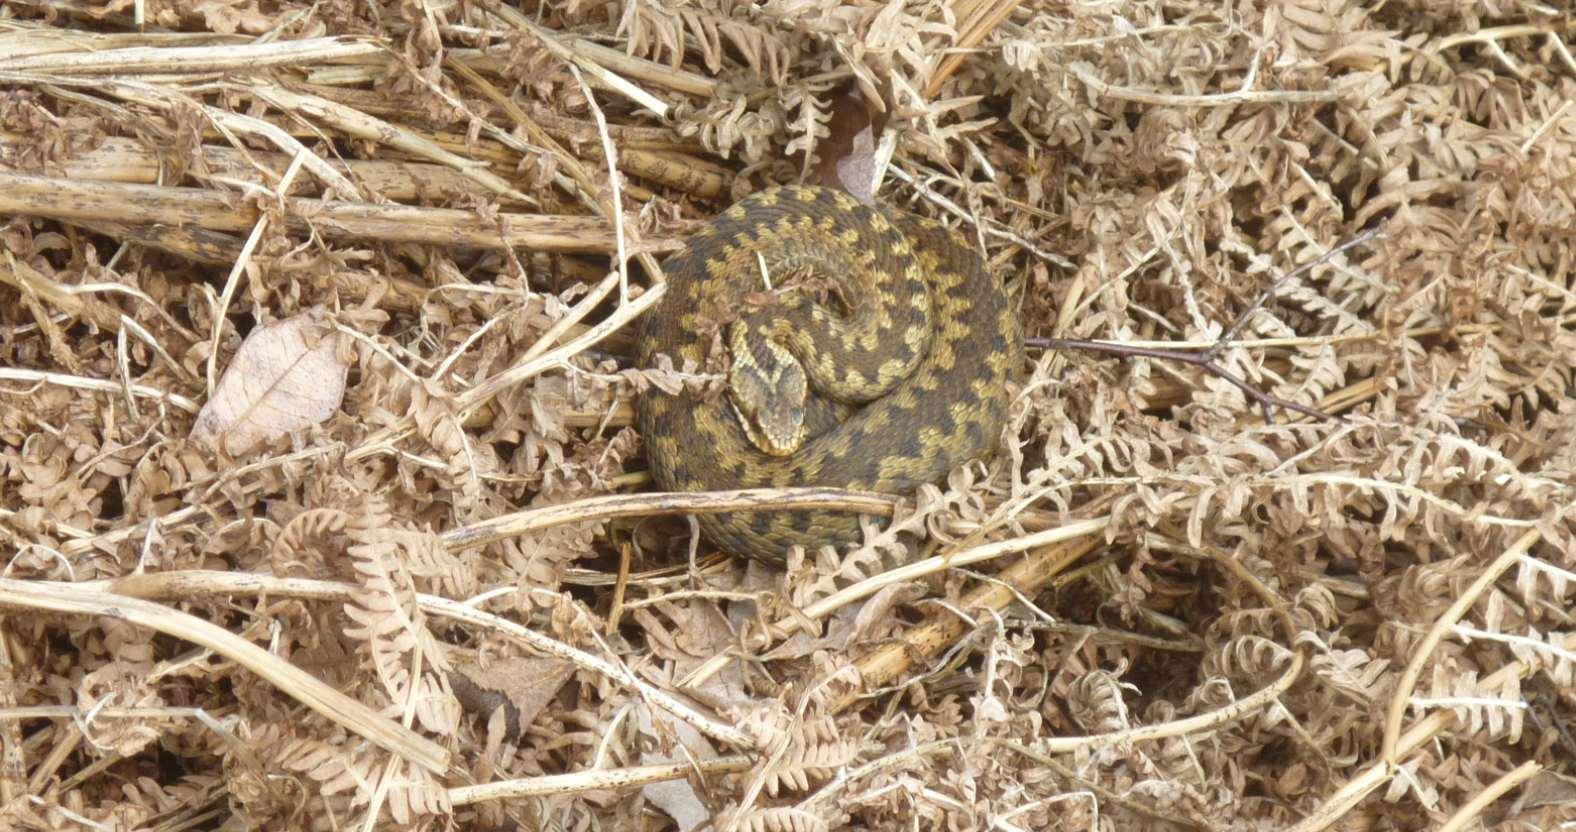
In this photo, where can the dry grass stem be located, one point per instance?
(330, 703)
(210, 583)
(1469, 812)
(588, 781)
(192, 59)
(72, 200)
(1225, 99)
(1425, 648)
(30, 378)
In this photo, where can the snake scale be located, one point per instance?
(890, 389)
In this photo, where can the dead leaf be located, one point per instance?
(522, 685)
(1547, 788)
(846, 157)
(675, 797)
(286, 377)
(678, 800)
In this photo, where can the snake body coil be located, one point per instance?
(907, 383)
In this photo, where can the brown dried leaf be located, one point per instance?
(1547, 788)
(521, 685)
(845, 157)
(285, 377)
(676, 797)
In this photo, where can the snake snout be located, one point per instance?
(768, 389)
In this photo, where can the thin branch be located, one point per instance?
(1207, 360)
(1264, 296)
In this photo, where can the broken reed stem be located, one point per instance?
(629, 136)
(360, 125)
(596, 780)
(225, 123)
(682, 173)
(167, 60)
(118, 159)
(65, 199)
(1027, 576)
(199, 245)
(83, 599)
(642, 69)
(30, 39)
(596, 509)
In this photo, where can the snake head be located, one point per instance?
(768, 389)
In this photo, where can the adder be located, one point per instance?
(904, 380)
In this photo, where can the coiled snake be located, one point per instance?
(892, 391)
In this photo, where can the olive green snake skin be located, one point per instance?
(905, 384)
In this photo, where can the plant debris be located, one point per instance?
(321, 505)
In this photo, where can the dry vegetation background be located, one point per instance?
(1156, 611)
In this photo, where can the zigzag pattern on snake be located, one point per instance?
(906, 383)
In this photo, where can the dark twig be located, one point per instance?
(1263, 298)
(1200, 360)
(1207, 360)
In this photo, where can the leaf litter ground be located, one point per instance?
(321, 505)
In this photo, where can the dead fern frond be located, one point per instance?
(408, 660)
(778, 819)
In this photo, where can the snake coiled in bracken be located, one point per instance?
(905, 379)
